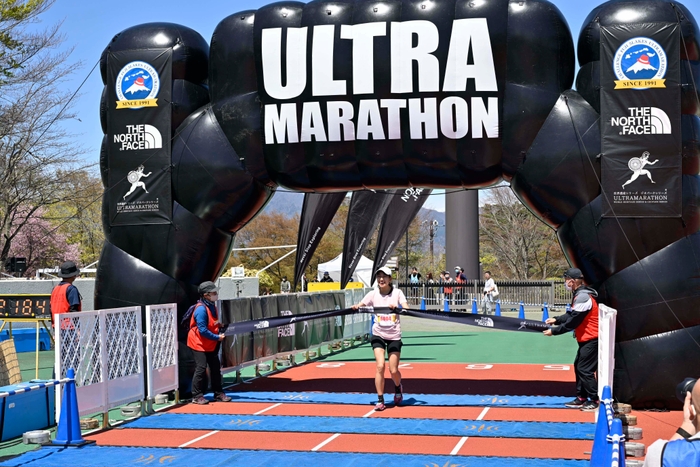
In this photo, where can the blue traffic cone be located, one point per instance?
(447, 305)
(545, 312)
(422, 303)
(617, 447)
(600, 452)
(521, 313)
(474, 309)
(68, 431)
(498, 308)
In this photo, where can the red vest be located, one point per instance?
(195, 341)
(59, 304)
(588, 329)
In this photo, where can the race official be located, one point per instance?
(65, 297)
(583, 320)
(204, 337)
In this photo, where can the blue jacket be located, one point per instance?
(681, 453)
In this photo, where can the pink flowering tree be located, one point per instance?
(41, 244)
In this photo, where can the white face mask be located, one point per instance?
(568, 287)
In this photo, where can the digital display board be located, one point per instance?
(25, 306)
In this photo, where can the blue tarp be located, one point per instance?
(385, 426)
(99, 456)
(454, 400)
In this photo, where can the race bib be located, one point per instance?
(386, 320)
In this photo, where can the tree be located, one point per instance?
(37, 157)
(78, 218)
(514, 243)
(16, 46)
(41, 245)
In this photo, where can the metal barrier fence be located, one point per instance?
(286, 342)
(161, 349)
(460, 295)
(105, 348)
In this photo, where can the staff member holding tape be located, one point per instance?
(386, 333)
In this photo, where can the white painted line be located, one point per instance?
(483, 413)
(198, 439)
(269, 408)
(326, 442)
(369, 414)
(459, 445)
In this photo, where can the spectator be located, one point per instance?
(490, 292)
(430, 290)
(204, 337)
(441, 290)
(583, 320)
(326, 277)
(65, 297)
(285, 286)
(683, 449)
(304, 283)
(448, 290)
(386, 334)
(460, 290)
(414, 278)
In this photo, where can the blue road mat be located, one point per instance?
(541, 402)
(99, 456)
(382, 426)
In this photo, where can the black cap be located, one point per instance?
(206, 287)
(573, 273)
(69, 269)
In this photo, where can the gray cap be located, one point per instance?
(207, 287)
(573, 273)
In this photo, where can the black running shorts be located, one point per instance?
(390, 346)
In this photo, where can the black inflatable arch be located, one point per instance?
(346, 95)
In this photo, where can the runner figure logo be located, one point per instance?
(636, 165)
(134, 177)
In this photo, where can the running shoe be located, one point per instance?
(221, 397)
(576, 403)
(590, 406)
(379, 407)
(200, 400)
(398, 397)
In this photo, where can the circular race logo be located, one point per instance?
(137, 81)
(640, 58)
(634, 164)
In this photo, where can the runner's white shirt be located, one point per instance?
(388, 326)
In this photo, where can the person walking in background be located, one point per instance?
(65, 297)
(430, 298)
(460, 292)
(204, 337)
(490, 293)
(386, 334)
(583, 320)
(285, 286)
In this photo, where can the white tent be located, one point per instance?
(363, 271)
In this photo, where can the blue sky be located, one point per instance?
(89, 25)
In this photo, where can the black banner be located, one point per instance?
(366, 209)
(285, 334)
(316, 215)
(403, 208)
(237, 348)
(138, 150)
(641, 120)
(469, 319)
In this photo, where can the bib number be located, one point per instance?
(386, 321)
